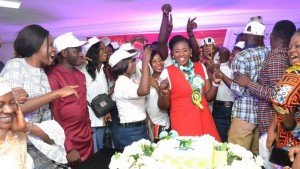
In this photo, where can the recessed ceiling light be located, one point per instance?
(10, 3)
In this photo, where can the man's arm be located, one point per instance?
(238, 65)
(275, 70)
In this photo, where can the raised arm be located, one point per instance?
(191, 25)
(144, 87)
(166, 28)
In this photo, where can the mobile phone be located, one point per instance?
(280, 157)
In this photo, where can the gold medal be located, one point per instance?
(197, 98)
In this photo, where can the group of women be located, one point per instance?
(174, 97)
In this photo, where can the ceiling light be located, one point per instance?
(10, 3)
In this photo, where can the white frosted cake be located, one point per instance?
(198, 154)
(184, 152)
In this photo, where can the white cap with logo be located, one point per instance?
(207, 41)
(255, 28)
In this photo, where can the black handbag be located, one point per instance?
(102, 104)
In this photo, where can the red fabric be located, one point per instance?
(217, 34)
(286, 138)
(71, 113)
(186, 118)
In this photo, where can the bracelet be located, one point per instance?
(30, 127)
(53, 95)
(215, 84)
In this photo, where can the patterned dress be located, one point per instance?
(34, 81)
(286, 99)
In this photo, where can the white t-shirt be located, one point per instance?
(169, 61)
(157, 116)
(94, 88)
(224, 93)
(165, 74)
(131, 107)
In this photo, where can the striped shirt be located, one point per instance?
(248, 62)
(273, 68)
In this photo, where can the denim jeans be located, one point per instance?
(128, 135)
(222, 118)
(98, 138)
(115, 128)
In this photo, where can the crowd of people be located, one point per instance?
(248, 96)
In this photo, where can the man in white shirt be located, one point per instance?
(222, 106)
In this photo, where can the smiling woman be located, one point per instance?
(34, 48)
(11, 122)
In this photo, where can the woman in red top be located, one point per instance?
(185, 90)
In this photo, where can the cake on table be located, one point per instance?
(184, 152)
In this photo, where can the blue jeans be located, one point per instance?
(222, 118)
(115, 128)
(128, 135)
(98, 138)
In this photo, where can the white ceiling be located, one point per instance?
(106, 17)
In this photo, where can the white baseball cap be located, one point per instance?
(105, 41)
(90, 43)
(255, 28)
(207, 41)
(115, 45)
(240, 44)
(5, 88)
(122, 53)
(67, 40)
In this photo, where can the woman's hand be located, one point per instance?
(19, 123)
(66, 91)
(217, 76)
(271, 137)
(166, 8)
(293, 152)
(191, 25)
(164, 87)
(107, 118)
(20, 94)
